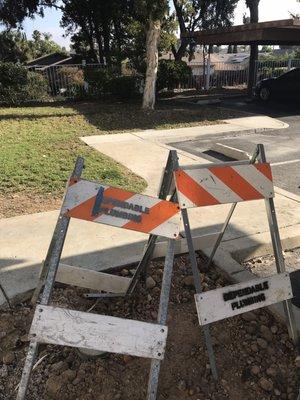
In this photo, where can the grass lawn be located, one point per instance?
(39, 146)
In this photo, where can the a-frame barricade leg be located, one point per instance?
(162, 315)
(51, 264)
(277, 249)
(196, 275)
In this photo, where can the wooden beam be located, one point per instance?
(90, 279)
(261, 33)
(225, 302)
(73, 328)
(285, 23)
(101, 281)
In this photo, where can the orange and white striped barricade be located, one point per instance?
(233, 182)
(99, 203)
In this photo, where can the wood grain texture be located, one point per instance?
(65, 327)
(90, 279)
(211, 305)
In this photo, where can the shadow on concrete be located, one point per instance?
(6, 262)
(18, 280)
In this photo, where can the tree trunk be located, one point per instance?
(254, 18)
(184, 42)
(152, 64)
(178, 54)
(252, 68)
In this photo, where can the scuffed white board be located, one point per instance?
(90, 279)
(65, 327)
(212, 306)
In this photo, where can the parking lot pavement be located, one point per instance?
(282, 146)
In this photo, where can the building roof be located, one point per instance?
(282, 32)
(47, 60)
(57, 59)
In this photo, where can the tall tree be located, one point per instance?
(253, 6)
(42, 44)
(14, 46)
(13, 12)
(194, 15)
(99, 26)
(156, 11)
(151, 13)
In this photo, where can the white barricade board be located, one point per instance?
(60, 326)
(232, 300)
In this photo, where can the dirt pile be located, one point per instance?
(255, 358)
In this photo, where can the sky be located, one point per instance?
(269, 10)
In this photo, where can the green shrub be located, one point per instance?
(36, 87)
(124, 87)
(97, 79)
(12, 75)
(13, 80)
(268, 72)
(172, 73)
(71, 82)
(72, 75)
(17, 84)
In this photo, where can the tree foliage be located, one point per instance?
(13, 12)
(15, 47)
(42, 44)
(97, 27)
(195, 15)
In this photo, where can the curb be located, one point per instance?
(234, 272)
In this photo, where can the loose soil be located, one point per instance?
(20, 204)
(255, 358)
(266, 266)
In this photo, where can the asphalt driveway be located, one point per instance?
(282, 146)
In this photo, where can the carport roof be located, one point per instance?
(282, 32)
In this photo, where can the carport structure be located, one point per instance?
(283, 32)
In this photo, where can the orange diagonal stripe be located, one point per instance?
(193, 191)
(84, 209)
(161, 212)
(236, 183)
(265, 169)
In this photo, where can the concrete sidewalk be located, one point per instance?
(24, 239)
